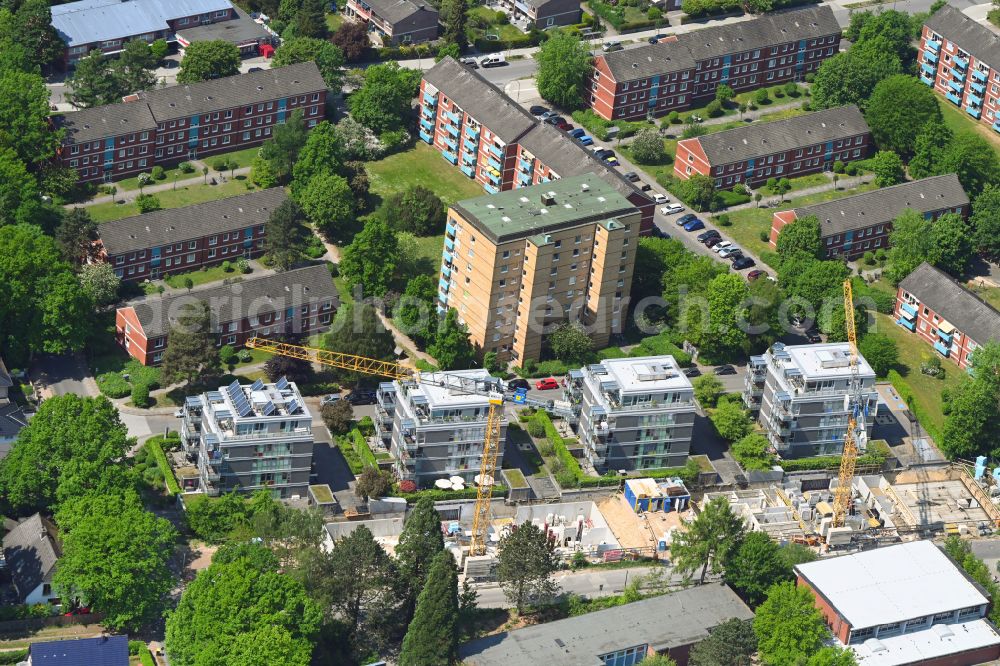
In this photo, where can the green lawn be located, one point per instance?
(182, 196)
(749, 223)
(989, 294)
(958, 121)
(804, 182)
(421, 255)
(198, 277)
(732, 109)
(129, 184)
(243, 158)
(926, 390)
(334, 21)
(422, 165)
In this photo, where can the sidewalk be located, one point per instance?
(842, 184)
(163, 186)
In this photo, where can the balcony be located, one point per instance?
(453, 117)
(962, 63)
(930, 71)
(496, 150)
(430, 100)
(495, 164)
(449, 229)
(524, 179)
(979, 74)
(954, 99)
(452, 130)
(469, 145)
(957, 86)
(932, 45)
(975, 100)
(996, 125)
(930, 57)
(524, 165)
(451, 143)
(946, 337)
(941, 348)
(469, 170)
(974, 112)
(443, 284)
(978, 87)
(426, 138)
(445, 271)
(472, 131)
(489, 188)
(449, 243)
(427, 124)
(451, 157)
(957, 75)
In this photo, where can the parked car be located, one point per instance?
(546, 384)
(672, 209)
(611, 47)
(645, 187)
(655, 38)
(361, 397)
(711, 233)
(536, 110)
(725, 370)
(329, 399)
(585, 140)
(686, 218)
(694, 225)
(544, 115)
(576, 134)
(630, 176)
(492, 60)
(728, 250)
(601, 153)
(659, 233)
(554, 120)
(611, 160)
(692, 372)
(470, 62)
(813, 336)
(566, 127)
(518, 383)
(744, 262)
(255, 69)
(713, 241)
(661, 198)
(755, 275)
(721, 245)
(735, 256)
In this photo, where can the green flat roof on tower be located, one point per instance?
(546, 207)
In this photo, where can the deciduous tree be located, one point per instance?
(382, 103)
(328, 57)
(952, 243)
(415, 313)
(352, 39)
(24, 116)
(370, 260)
(209, 60)
(789, 626)
(526, 562)
(321, 153)
(647, 147)
(191, 354)
(985, 221)
(912, 244)
(731, 420)
(35, 32)
(899, 107)
(971, 158)
(732, 643)
(571, 344)
(19, 196)
(282, 149)
(337, 417)
(707, 390)
(709, 540)
(329, 204)
(929, 147)
(850, 77)
(973, 420)
(357, 330)
(880, 351)
(100, 283)
(286, 236)
(416, 209)
(888, 168)
(451, 347)
(294, 369)
(755, 567)
(564, 64)
(75, 236)
(751, 452)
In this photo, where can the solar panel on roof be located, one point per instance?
(282, 383)
(245, 409)
(235, 386)
(269, 408)
(293, 406)
(257, 385)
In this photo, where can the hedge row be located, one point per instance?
(155, 445)
(599, 126)
(362, 449)
(346, 446)
(438, 495)
(903, 389)
(24, 612)
(13, 656)
(829, 462)
(533, 38)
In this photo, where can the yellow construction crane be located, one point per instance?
(370, 366)
(855, 426)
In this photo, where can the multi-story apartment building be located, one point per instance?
(170, 125)
(542, 14)
(485, 133)
(250, 437)
(106, 25)
(436, 426)
(960, 59)
(163, 242)
(518, 263)
(800, 395)
(780, 149)
(851, 226)
(635, 413)
(249, 36)
(903, 604)
(683, 71)
(395, 22)
(292, 303)
(945, 314)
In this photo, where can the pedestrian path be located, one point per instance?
(130, 195)
(841, 184)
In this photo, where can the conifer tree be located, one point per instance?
(431, 637)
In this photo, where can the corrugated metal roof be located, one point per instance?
(89, 21)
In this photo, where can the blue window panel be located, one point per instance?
(426, 137)
(524, 178)
(974, 112)
(954, 99)
(927, 68)
(524, 164)
(978, 87)
(925, 79)
(282, 104)
(449, 243)
(432, 100)
(932, 45)
(452, 130)
(975, 100)
(495, 164)
(426, 124)
(449, 228)
(496, 151)
(469, 170)
(944, 336)
(489, 188)
(957, 75)
(195, 121)
(469, 145)
(451, 143)
(453, 117)
(473, 132)
(445, 271)
(441, 310)
(941, 348)
(976, 74)
(495, 179)
(446, 257)
(444, 285)
(957, 86)
(930, 57)
(962, 64)
(907, 323)
(912, 309)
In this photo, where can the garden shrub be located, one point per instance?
(140, 396)
(113, 385)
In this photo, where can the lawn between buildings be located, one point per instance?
(421, 165)
(173, 198)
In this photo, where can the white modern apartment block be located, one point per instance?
(436, 428)
(635, 413)
(250, 437)
(801, 392)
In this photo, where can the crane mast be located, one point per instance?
(855, 432)
(371, 366)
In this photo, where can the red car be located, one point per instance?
(546, 384)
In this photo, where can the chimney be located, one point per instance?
(548, 199)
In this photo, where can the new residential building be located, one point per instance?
(780, 149)
(436, 427)
(903, 604)
(635, 413)
(960, 58)
(945, 314)
(800, 395)
(157, 244)
(518, 263)
(107, 25)
(494, 141)
(103, 650)
(683, 71)
(250, 437)
(395, 22)
(292, 303)
(170, 125)
(851, 226)
(542, 14)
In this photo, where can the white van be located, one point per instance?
(492, 60)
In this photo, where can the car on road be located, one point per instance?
(585, 140)
(361, 397)
(630, 176)
(694, 225)
(612, 46)
(601, 153)
(555, 120)
(721, 245)
(655, 38)
(536, 110)
(255, 69)
(672, 209)
(731, 249)
(661, 198)
(744, 262)
(518, 383)
(578, 132)
(493, 60)
(611, 160)
(544, 115)
(711, 233)
(470, 62)
(713, 241)
(692, 372)
(813, 336)
(547, 384)
(755, 275)
(329, 399)
(725, 370)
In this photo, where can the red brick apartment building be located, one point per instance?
(156, 244)
(107, 25)
(861, 223)
(492, 140)
(944, 314)
(395, 22)
(170, 125)
(683, 71)
(780, 149)
(297, 302)
(960, 59)
(903, 604)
